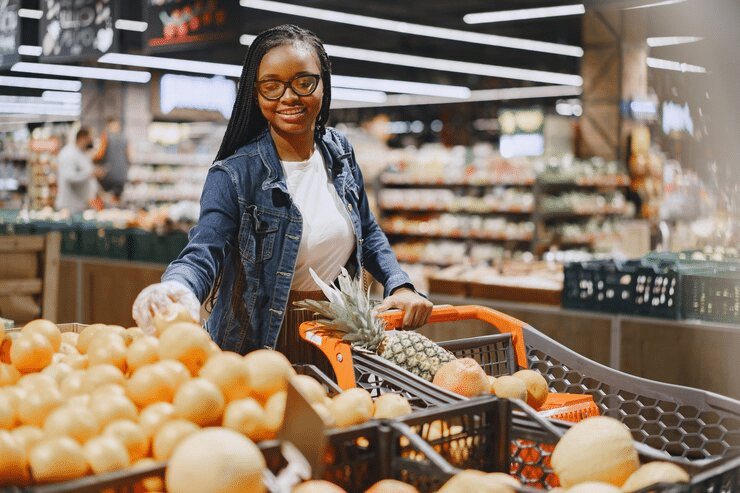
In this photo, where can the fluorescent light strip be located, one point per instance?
(476, 96)
(654, 4)
(173, 64)
(129, 25)
(520, 14)
(342, 94)
(671, 65)
(33, 83)
(61, 97)
(415, 29)
(444, 65)
(30, 13)
(387, 85)
(83, 72)
(672, 40)
(29, 50)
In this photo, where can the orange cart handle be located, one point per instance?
(448, 313)
(339, 353)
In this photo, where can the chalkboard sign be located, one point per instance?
(77, 29)
(10, 28)
(173, 24)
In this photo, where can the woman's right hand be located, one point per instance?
(164, 301)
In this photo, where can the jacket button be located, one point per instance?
(349, 207)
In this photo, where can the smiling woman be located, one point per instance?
(284, 196)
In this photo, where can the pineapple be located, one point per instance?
(349, 315)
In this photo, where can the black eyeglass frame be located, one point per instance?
(286, 84)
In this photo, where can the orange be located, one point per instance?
(8, 414)
(71, 384)
(142, 351)
(46, 328)
(101, 374)
(70, 338)
(169, 435)
(13, 468)
(131, 435)
(270, 371)
(178, 372)
(150, 383)
(73, 421)
(38, 404)
(153, 483)
(36, 381)
(110, 407)
(31, 352)
(106, 453)
(57, 459)
(200, 401)
(86, 335)
(153, 415)
(57, 371)
(248, 418)
(9, 374)
(230, 373)
(76, 361)
(186, 342)
(107, 348)
(27, 436)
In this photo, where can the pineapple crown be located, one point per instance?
(349, 314)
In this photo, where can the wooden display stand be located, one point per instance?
(29, 274)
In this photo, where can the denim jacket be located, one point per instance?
(246, 210)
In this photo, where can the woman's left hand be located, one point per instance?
(417, 309)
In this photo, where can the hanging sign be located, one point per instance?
(76, 29)
(172, 24)
(10, 28)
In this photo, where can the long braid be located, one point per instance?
(247, 122)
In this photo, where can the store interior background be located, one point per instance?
(614, 117)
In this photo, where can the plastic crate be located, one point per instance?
(112, 243)
(684, 422)
(712, 293)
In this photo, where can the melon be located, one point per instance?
(215, 460)
(536, 387)
(655, 472)
(598, 448)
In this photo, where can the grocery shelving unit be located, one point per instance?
(163, 178)
(484, 217)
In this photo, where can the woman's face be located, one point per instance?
(290, 116)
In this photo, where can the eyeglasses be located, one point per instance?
(302, 85)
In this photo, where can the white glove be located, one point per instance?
(164, 301)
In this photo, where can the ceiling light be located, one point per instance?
(671, 65)
(672, 40)
(399, 86)
(61, 97)
(659, 3)
(519, 14)
(33, 83)
(82, 72)
(415, 29)
(173, 64)
(342, 94)
(538, 92)
(29, 50)
(30, 13)
(445, 65)
(129, 25)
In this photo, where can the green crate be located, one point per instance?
(88, 239)
(112, 243)
(24, 228)
(175, 242)
(70, 240)
(141, 244)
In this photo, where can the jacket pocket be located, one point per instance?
(257, 234)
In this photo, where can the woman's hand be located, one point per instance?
(163, 300)
(416, 308)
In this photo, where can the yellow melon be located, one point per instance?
(655, 472)
(464, 376)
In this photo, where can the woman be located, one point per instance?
(284, 194)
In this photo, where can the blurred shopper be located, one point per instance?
(77, 183)
(114, 155)
(285, 194)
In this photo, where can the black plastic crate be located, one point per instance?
(112, 243)
(712, 294)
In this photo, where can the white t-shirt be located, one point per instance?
(328, 237)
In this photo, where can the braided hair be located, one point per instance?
(246, 120)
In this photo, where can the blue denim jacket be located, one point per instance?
(246, 210)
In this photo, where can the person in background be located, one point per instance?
(284, 194)
(77, 184)
(114, 155)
